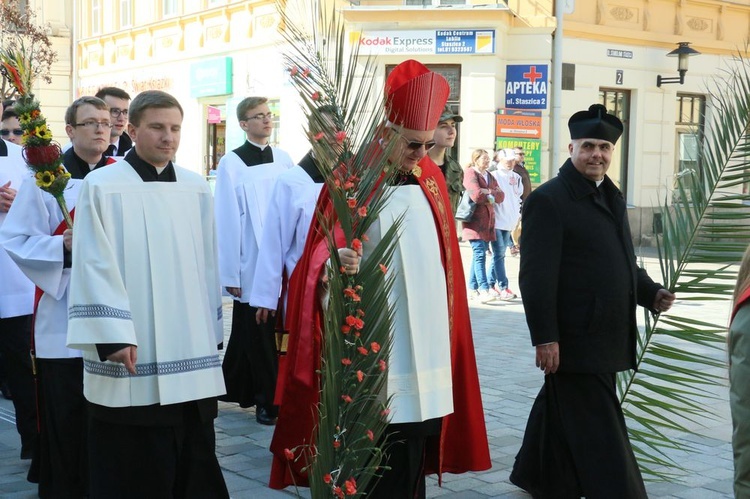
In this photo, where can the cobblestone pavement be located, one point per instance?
(509, 383)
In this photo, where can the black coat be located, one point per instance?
(579, 279)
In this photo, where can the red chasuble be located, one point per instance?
(462, 445)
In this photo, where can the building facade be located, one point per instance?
(498, 57)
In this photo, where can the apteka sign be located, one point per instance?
(526, 86)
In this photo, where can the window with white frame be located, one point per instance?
(126, 16)
(95, 23)
(169, 7)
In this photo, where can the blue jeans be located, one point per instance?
(497, 266)
(478, 273)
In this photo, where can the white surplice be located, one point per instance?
(144, 273)
(27, 237)
(242, 195)
(16, 291)
(419, 371)
(290, 210)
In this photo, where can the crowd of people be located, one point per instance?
(123, 312)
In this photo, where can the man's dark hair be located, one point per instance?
(72, 112)
(151, 99)
(314, 120)
(115, 92)
(9, 112)
(248, 103)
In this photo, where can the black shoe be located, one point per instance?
(263, 417)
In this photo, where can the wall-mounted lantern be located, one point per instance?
(682, 52)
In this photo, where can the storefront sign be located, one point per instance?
(424, 42)
(214, 114)
(211, 77)
(532, 151)
(518, 123)
(526, 86)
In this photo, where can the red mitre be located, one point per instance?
(415, 96)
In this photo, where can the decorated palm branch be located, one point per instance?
(706, 229)
(42, 155)
(347, 446)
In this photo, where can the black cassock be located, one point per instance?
(250, 362)
(580, 285)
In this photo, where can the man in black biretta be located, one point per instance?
(580, 285)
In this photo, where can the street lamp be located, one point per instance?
(682, 52)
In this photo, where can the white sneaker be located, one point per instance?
(506, 294)
(486, 297)
(473, 294)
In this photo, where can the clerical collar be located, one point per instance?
(599, 182)
(404, 178)
(77, 167)
(147, 171)
(259, 146)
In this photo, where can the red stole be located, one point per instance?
(463, 445)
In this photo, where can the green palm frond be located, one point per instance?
(706, 228)
(352, 412)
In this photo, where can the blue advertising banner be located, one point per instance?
(465, 41)
(526, 86)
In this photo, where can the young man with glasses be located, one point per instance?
(88, 125)
(118, 101)
(38, 240)
(245, 179)
(10, 128)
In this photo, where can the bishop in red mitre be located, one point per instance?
(437, 420)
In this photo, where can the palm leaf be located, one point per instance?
(352, 413)
(679, 356)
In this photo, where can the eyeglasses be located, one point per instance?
(260, 117)
(414, 145)
(6, 131)
(94, 125)
(116, 113)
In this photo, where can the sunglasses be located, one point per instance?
(414, 145)
(16, 131)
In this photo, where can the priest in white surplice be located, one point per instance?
(287, 220)
(244, 181)
(34, 235)
(145, 308)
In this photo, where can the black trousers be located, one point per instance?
(63, 454)
(250, 362)
(405, 456)
(159, 462)
(15, 348)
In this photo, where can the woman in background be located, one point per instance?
(480, 230)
